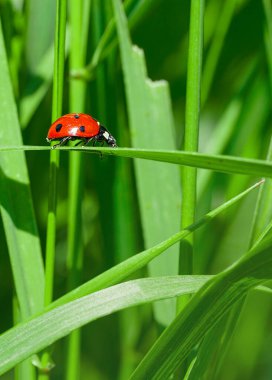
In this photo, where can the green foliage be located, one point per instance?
(105, 222)
(16, 206)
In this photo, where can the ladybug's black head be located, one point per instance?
(106, 136)
(111, 141)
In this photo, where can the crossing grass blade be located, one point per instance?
(205, 309)
(30, 337)
(136, 262)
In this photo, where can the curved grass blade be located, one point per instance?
(122, 270)
(30, 337)
(134, 263)
(206, 308)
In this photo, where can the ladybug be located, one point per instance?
(79, 126)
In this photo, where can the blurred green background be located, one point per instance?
(235, 120)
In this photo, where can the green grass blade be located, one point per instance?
(136, 11)
(16, 205)
(39, 332)
(17, 211)
(39, 30)
(263, 210)
(39, 36)
(212, 350)
(54, 155)
(205, 309)
(59, 60)
(216, 343)
(191, 132)
(30, 337)
(136, 262)
(219, 139)
(151, 123)
(226, 125)
(219, 163)
(268, 35)
(104, 41)
(222, 27)
(35, 91)
(79, 23)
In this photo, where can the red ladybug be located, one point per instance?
(79, 126)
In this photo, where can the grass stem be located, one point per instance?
(192, 112)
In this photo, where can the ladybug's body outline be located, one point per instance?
(79, 126)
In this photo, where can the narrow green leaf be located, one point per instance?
(263, 212)
(79, 19)
(218, 163)
(191, 132)
(158, 187)
(30, 337)
(37, 87)
(220, 32)
(205, 309)
(136, 262)
(39, 30)
(16, 204)
(212, 350)
(136, 11)
(268, 35)
(59, 61)
(39, 56)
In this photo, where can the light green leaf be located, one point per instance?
(40, 30)
(16, 204)
(136, 262)
(205, 309)
(30, 337)
(158, 187)
(37, 87)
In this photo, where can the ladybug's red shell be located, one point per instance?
(77, 125)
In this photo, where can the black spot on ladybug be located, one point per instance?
(76, 116)
(58, 127)
(82, 128)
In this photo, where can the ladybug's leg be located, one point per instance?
(86, 141)
(96, 139)
(62, 142)
(80, 142)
